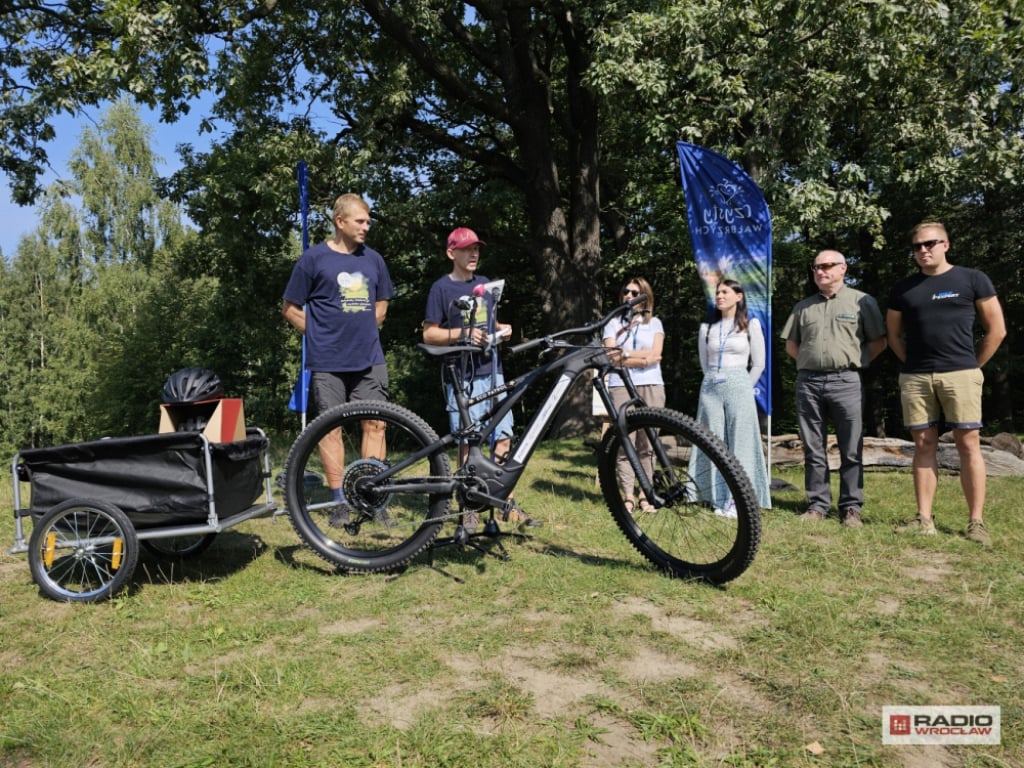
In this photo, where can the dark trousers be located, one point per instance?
(822, 397)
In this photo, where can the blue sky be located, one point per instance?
(17, 221)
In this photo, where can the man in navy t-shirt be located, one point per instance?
(338, 297)
(930, 324)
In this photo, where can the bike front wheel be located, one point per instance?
(387, 519)
(686, 532)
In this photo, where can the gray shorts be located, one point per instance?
(331, 389)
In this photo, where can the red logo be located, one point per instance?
(899, 725)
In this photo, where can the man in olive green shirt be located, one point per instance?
(832, 335)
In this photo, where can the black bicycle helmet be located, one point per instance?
(191, 385)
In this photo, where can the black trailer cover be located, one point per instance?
(157, 480)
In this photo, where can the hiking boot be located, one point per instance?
(340, 515)
(470, 521)
(813, 514)
(977, 533)
(919, 524)
(513, 513)
(851, 517)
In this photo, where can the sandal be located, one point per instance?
(630, 505)
(646, 506)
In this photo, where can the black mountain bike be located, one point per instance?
(400, 503)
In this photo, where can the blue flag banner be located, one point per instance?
(731, 230)
(300, 394)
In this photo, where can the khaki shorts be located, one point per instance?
(956, 395)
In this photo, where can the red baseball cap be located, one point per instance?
(463, 237)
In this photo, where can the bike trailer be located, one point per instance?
(91, 504)
(157, 480)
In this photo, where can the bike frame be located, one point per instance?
(500, 479)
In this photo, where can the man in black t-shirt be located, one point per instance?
(930, 324)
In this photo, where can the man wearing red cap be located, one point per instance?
(451, 319)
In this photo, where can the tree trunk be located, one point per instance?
(566, 234)
(787, 451)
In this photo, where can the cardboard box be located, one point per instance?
(224, 419)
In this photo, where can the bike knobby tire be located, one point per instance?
(696, 534)
(379, 528)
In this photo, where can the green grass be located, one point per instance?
(574, 653)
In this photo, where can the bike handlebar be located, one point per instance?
(550, 339)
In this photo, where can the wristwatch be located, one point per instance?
(625, 355)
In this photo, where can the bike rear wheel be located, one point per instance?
(382, 528)
(687, 536)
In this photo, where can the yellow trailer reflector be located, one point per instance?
(115, 556)
(50, 549)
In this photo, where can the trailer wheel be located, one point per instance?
(179, 547)
(83, 551)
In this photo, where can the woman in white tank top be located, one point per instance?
(732, 356)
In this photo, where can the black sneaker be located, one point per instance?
(340, 515)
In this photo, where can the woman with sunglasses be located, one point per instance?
(732, 356)
(639, 342)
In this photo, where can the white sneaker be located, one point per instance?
(729, 512)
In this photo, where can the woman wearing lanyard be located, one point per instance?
(732, 357)
(640, 341)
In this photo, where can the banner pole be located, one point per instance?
(304, 218)
(300, 393)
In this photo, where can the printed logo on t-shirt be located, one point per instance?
(354, 291)
(945, 295)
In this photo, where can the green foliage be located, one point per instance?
(832, 107)
(86, 286)
(60, 57)
(548, 128)
(124, 219)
